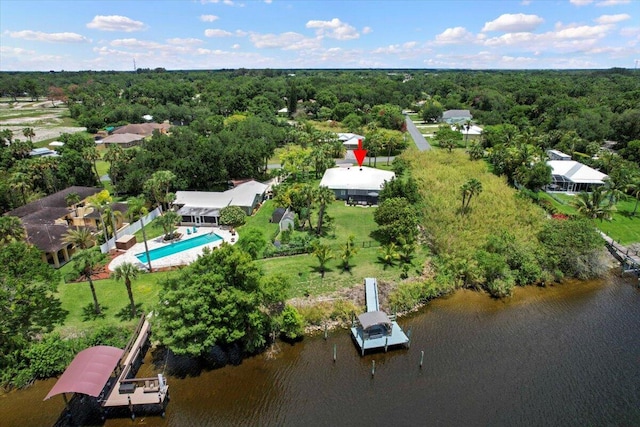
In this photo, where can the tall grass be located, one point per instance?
(497, 208)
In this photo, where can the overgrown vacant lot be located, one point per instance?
(48, 122)
(497, 208)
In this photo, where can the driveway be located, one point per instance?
(420, 141)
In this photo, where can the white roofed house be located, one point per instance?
(356, 185)
(573, 177)
(203, 207)
(350, 140)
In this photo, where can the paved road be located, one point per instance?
(420, 141)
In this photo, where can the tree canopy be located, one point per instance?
(220, 299)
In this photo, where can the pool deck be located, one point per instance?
(181, 258)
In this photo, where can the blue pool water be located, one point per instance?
(182, 245)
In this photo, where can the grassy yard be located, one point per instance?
(112, 296)
(624, 227)
(303, 272)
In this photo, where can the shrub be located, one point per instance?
(291, 323)
(233, 216)
(49, 357)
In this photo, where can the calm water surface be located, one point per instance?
(565, 355)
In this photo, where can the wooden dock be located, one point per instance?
(374, 329)
(131, 392)
(629, 260)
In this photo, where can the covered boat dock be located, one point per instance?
(374, 329)
(107, 374)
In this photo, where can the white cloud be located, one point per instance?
(518, 22)
(15, 51)
(334, 29)
(136, 44)
(612, 19)
(525, 2)
(367, 30)
(209, 18)
(582, 32)
(235, 46)
(630, 32)
(581, 2)
(612, 2)
(181, 41)
(225, 2)
(454, 36)
(285, 41)
(115, 23)
(217, 33)
(49, 37)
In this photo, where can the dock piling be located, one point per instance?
(373, 368)
(335, 353)
(421, 358)
(386, 344)
(325, 331)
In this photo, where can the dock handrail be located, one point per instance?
(132, 340)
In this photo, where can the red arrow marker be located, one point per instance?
(360, 153)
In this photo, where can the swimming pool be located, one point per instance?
(179, 246)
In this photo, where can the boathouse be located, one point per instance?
(374, 329)
(107, 375)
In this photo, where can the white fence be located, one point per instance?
(130, 229)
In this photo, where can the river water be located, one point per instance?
(566, 355)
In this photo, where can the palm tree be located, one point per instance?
(476, 151)
(81, 238)
(388, 254)
(86, 262)
(158, 187)
(348, 251)
(113, 154)
(100, 202)
(11, 230)
(72, 200)
(136, 212)
(324, 196)
(127, 271)
(308, 194)
(92, 155)
(323, 253)
(21, 183)
(614, 190)
(634, 189)
(168, 221)
(28, 133)
(406, 250)
(594, 205)
(471, 188)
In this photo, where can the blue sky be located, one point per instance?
(74, 35)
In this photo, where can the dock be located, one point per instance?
(374, 329)
(107, 376)
(129, 391)
(629, 260)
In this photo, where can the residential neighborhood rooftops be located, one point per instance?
(55, 200)
(356, 178)
(122, 138)
(450, 114)
(145, 129)
(242, 195)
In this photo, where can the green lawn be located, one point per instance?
(623, 227)
(112, 296)
(302, 270)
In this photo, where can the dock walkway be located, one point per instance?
(374, 329)
(130, 391)
(629, 259)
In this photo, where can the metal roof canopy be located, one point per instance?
(374, 318)
(89, 371)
